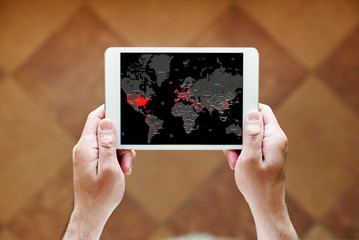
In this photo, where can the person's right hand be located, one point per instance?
(260, 174)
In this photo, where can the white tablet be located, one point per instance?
(180, 98)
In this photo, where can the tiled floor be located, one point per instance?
(51, 76)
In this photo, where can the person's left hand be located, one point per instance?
(98, 169)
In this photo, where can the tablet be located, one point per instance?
(180, 98)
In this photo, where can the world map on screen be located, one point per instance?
(181, 98)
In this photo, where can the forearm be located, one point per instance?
(81, 226)
(274, 224)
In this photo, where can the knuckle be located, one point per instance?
(107, 142)
(76, 152)
(254, 132)
(279, 143)
(282, 143)
(91, 115)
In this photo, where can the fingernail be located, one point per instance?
(253, 116)
(129, 171)
(106, 125)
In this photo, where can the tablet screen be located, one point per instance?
(181, 98)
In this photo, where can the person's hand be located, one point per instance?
(99, 182)
(260, 174)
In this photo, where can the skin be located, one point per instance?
(99, 170)
(99, 181)
(259, 172)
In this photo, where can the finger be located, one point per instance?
(252, 138)
(126, 159)
(107, 144)
(268, 115)
(92, 121)
(232, 157)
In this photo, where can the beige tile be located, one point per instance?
(25, 25)
(6, 234)
(66, 75)
(323, 152)
(163, 180)
(159, 22)
(33, 149)
(309, 31)
(319, 233)
(161, 233)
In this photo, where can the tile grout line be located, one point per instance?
(335, 48)
(338, 96)
(196, 36)
(46, 39)
(37, 195)
(192, 196)
(120, 36)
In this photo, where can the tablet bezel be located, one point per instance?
(113, 88)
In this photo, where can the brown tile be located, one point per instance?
(301, 220)
(217, 208)
(341, 70)
(46, 216)
(6, 234)
(128, 221)
(278, 72)
(158, 22)
(66, 76)
(33, 149)
(162, 180)
(319, 232)
(322, 159)
(343, 220)
(309, 31)
(25, 25)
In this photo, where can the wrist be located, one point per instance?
(273, 222)
(83, 226)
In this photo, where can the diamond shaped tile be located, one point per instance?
(343, 220)
(128, 221)
(46, 216)
(163, 180)
(341, 70)
(319, 232)
(25, 25)
(66, 76)
(322, 159)
(33, 149)
(158, 22)
(278, 73)
(308, 31)
(301, 220)
(217, 208)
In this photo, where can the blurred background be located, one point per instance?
(52, 76)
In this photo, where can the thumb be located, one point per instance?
(253, 137)
(106, 142)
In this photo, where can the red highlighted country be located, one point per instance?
(137, 101)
